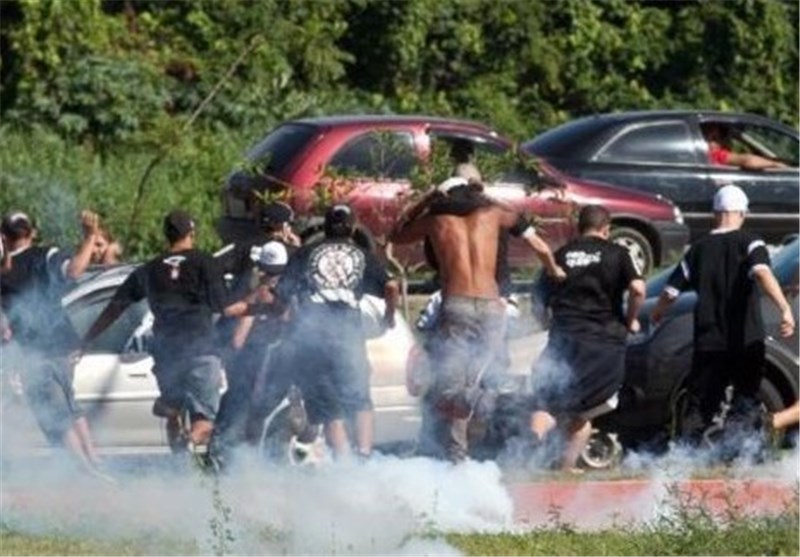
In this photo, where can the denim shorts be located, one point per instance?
(192, 384)
(47, 382)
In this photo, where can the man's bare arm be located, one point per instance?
(664, 302)
(544, 254)
(753, 162)
(769, 285)
(391, 293)
(404, 230)
(636, 294)
(78, 262)
(411, 231)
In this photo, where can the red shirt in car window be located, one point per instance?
(718, 154)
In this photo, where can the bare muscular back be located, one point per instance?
(466, 248)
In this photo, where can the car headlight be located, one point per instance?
(676, 212)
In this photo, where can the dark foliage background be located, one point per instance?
(93, 92)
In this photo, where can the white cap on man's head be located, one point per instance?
(730, 199)
(450, 183)
(271, 257)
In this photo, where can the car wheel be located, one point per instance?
(603, 451)
(637, 244)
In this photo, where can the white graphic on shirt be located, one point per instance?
(335, 271)
(174, 262)
(582, 259)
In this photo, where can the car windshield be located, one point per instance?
(280, 147)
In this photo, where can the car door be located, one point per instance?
(659, 157)
(397, 415)
(774, 194)
(372, 171)
(114, 381)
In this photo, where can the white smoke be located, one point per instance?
(383, 506)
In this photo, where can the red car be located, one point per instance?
(371, 162)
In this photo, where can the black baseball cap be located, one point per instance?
(16, 225)
(339, 221)
(178, 224)
(275, 214)
(340, 214)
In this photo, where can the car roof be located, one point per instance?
(582, 136)
(635, 115)
(373, 119)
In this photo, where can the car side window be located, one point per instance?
(85, 310)
(662, 142)
(767, 142)
(376, 154)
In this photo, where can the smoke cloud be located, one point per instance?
(383, 506)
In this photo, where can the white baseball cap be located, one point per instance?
(730, 199)
(450, 183)
(271, 257)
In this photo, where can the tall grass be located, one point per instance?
(53, 179)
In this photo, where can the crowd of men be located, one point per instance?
(278, 302)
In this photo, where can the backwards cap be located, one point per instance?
(730, 199)
(16, 225)
(178, 224)
(275, 214)
(271, 257)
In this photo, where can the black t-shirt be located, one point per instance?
(331, 275)
(236, 267)
(31, 294)
(719, 268)
(184, 290)
(589, 301)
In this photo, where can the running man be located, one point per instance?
(464, 227)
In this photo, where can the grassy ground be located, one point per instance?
(687, 530)
(767, 536)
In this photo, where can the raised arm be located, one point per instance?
(412, 224)
(90, 224)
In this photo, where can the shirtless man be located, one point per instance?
(463, 226)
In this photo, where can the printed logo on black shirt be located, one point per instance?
(582, 259)
(336, 271)
(174, 262)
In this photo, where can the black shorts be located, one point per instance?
(575, 374)
(334, 379)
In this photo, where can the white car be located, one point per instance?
(115, 385)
